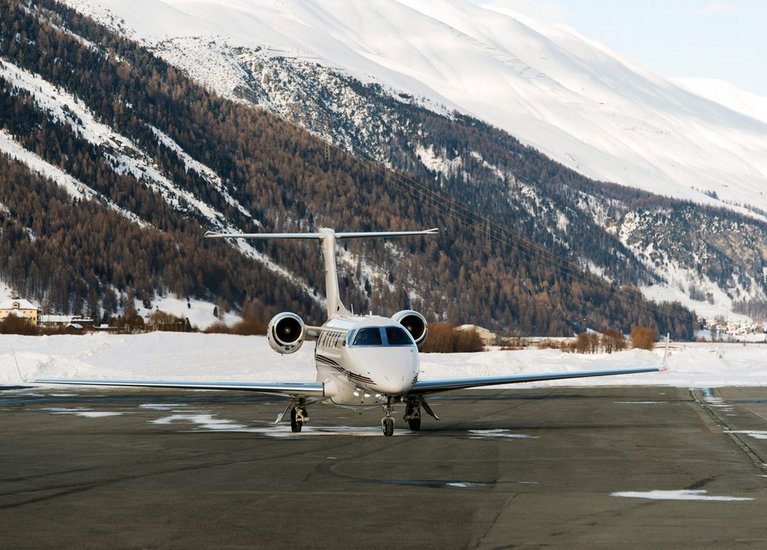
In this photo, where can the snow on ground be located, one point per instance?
(196, 356)
(199, 312)
(679, 495)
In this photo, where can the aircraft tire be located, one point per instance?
(388, 426)
(295, 425)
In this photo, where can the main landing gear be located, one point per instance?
(413, 415)
(413, 407)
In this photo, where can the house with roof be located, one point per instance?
(19, 307)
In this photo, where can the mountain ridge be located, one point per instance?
(567, 96)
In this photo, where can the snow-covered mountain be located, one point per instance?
(729, 95)
(568, 96)
(144, 155)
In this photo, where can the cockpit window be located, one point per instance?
(398, 337)
(370, 336)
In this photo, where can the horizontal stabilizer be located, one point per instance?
(320, 235)
(327, 238)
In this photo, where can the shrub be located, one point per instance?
(447, 338)
(17, 325)
(548, 343)
(167, 322)
(587, 342)
(249, 327)
(218, 328)
(129, 322)
(643, 337)
(613, 340)
(246, 327)
(251, 324)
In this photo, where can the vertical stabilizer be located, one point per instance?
(335, 306)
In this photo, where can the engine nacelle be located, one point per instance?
(414, 323)
(286, 332)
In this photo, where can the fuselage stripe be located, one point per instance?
(351, 375)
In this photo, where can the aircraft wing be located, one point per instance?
(434, 386)
(297, 389)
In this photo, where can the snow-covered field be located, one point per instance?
(223, 357)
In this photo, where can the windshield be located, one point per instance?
(382, 336)
(368, 337)
(398, 337)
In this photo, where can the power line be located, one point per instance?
(495, 232)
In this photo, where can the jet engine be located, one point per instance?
(414, 323)
(286, 332)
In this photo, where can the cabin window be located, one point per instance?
(398, 337)
(370, 336)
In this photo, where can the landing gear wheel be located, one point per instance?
(414, 424)
(388, 426)
(295, 424)
(413, 415)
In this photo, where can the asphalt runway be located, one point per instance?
(629, 467)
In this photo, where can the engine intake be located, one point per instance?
(414, 323)
(286, 332)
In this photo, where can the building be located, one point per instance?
(20, 308)
(66, 321)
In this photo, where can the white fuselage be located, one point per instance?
(363, 360)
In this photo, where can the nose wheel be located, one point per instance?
(387, 422)
(388, 426)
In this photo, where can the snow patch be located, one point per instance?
(678, 495)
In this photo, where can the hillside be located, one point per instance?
(568, 96)
(384, 96)
(115, 163)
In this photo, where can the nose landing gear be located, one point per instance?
(387, 422)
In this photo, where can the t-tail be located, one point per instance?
(327, 238)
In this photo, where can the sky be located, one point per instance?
(723, 39)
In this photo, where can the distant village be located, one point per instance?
(26, 310)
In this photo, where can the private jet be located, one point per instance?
(361, 360)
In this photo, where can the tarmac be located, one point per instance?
(628, 467)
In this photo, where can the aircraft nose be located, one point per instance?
(396, 376)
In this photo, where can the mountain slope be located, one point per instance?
(131, 161)
(569, 97)
(729, 95)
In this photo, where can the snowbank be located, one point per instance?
(225, 357)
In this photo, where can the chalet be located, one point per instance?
(20, 308)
